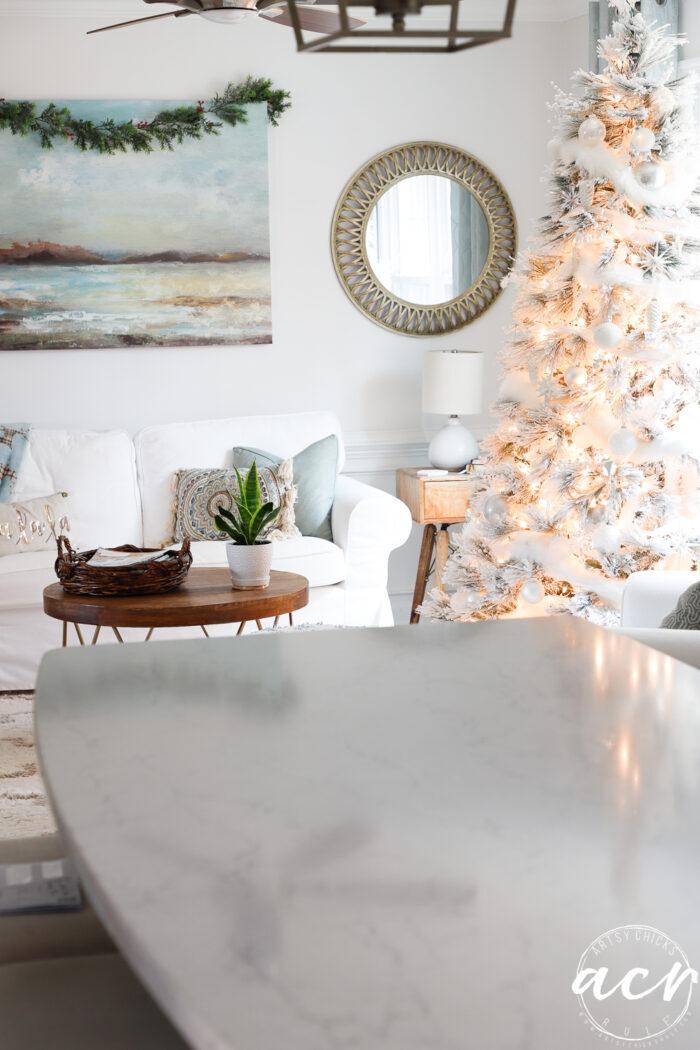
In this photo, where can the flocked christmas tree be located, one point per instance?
(593, 470)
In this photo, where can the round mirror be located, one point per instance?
(423, 236)
(427, 239)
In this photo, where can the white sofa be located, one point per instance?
(646, 599)
(120, 491)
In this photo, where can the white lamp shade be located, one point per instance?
(452, 382)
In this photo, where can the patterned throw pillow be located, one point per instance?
(686, 615)
(33, 525)
(201, 492)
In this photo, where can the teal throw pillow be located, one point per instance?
(686, 615)
(315, 469)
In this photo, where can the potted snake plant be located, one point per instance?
(249, 557)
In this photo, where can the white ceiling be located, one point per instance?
(475, 11)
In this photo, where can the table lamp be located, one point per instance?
(452, 382)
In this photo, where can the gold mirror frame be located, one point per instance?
(350, 224)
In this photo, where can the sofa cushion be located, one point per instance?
(97, 469)
(315, 470)
(161, 451)
(34, 524)
(321, 562)
(24, 576)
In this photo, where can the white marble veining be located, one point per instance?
(397, 839)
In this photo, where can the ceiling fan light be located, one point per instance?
(229, 15)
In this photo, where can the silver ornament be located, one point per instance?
(592, 130)
(532, 592)
(622, 442)
(495, 510)
(607, 336)
(607, 539)
(575, 376)
(465, 601)
(650, 174)
(643, 139)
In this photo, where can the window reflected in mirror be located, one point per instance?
(427, 239)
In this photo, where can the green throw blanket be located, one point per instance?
(14, 438)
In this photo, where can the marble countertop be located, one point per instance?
(389, 839)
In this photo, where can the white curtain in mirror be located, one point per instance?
(427, 239)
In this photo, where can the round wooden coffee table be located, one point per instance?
(206, 597)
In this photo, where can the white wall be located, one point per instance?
(490, 101)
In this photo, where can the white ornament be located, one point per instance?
(607, 539)
(664, 100)
(650, 174)
(607, 335)
(553, 147)
(622, 442)
(643, 139)
(464, 601)
(653, 315)
(532, 592)
(583, 436)
(495, 510)
(665, 389)
(592, 130)
(575, 376)
(586, 190)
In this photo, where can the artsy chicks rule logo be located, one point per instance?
(634, 985)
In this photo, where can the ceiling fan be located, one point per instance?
(231, 12)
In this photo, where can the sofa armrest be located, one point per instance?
(650, 595)
(368, 524)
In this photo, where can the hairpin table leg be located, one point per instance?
(79, 633)
(96, 635)
(259, 625)
(206, 632)
(149, 635)
(291, 620)
(119, 637)
(277, 620)
(240, 629)
(65, 633)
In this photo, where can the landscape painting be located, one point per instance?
(129, 250)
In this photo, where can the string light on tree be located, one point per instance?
(592, 471)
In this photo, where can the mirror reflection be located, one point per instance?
(427, 239)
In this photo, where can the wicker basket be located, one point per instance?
(153, 577)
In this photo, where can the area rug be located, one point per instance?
(24, 808)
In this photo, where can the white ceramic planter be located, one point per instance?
(249, 565)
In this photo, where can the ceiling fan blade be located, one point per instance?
(135, 21)
(314, 20)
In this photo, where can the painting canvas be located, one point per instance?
(129, 250)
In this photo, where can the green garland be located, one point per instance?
(166, 129)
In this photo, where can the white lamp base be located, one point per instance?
(453, 446)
